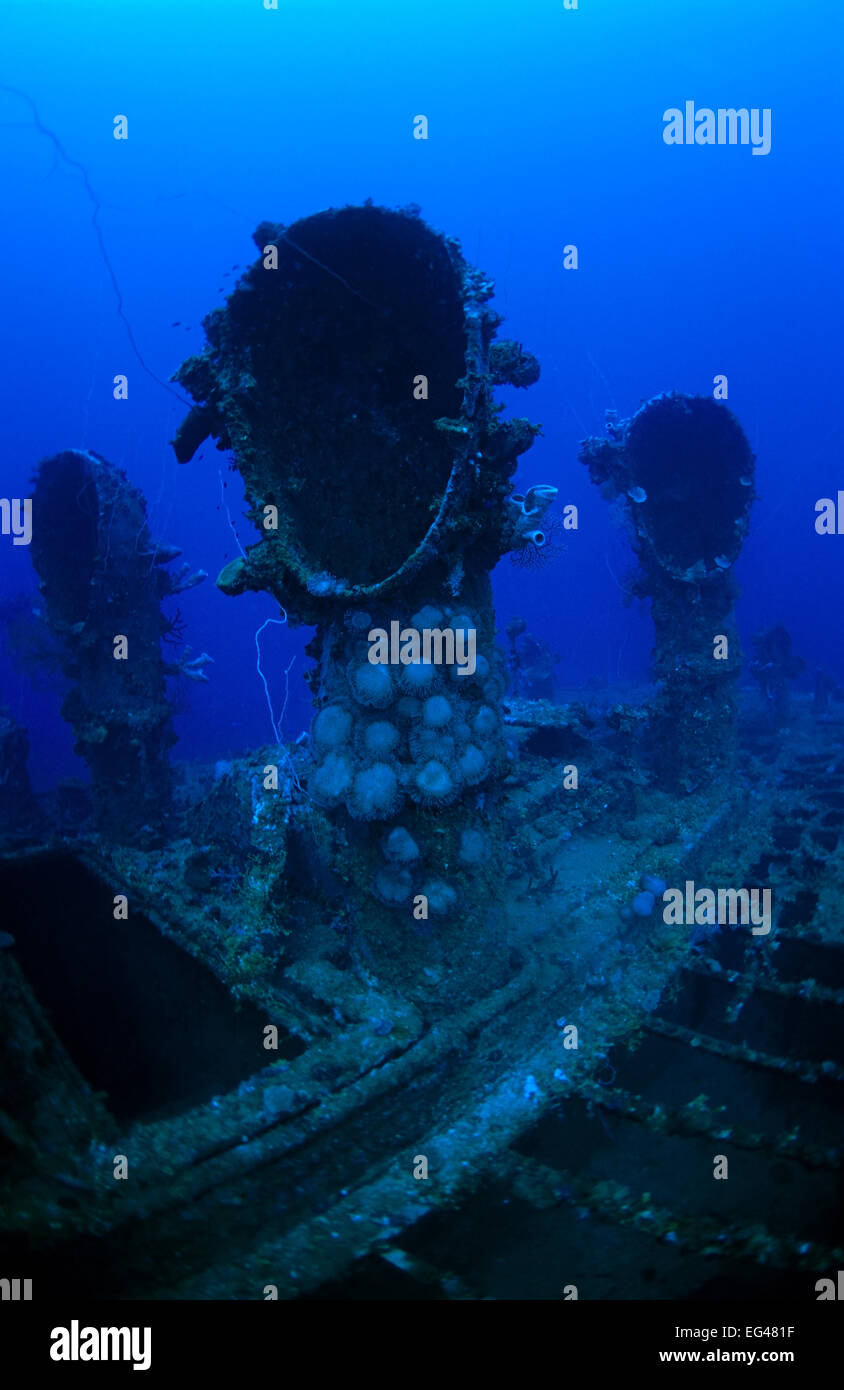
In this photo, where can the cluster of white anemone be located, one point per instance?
(418, 731)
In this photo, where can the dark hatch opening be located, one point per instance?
(142, 1020)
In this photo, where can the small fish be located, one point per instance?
(637, 494)
(177, 323)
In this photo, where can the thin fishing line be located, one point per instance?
(97, 206)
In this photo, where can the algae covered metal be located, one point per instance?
(683, 472)
(374, 1006)
(352, 374)
(103, 580)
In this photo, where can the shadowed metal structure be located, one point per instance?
(103, 580)
(560, 1060)
(683, 471)
(352, 374)
(545, 1166)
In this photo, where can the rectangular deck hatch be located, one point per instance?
(140, 1018)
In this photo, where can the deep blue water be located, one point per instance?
(546, 129)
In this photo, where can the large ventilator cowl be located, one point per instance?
(685, 470)
(103, 578)
(690, 456)
(66, 541)
(351, 374)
